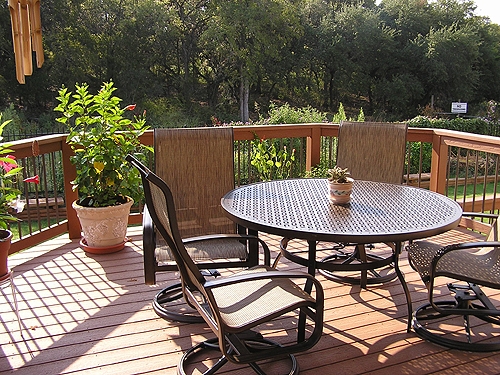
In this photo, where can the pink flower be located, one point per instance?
(34, 179)
(6, 165)
(130, 107)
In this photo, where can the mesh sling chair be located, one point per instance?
(468, 268)
(371, 151)
(232, 306)
(198, 165)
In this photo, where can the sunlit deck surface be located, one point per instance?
(92, 314)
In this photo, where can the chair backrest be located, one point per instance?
(373, 151)
(161, 207)
(198, 166)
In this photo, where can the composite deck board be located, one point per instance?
(87, 314)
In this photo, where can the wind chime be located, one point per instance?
(26, 36)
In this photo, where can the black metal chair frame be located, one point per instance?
(173, 293)
(469, 298)
(236, 338)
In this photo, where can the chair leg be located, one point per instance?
(173, 293)
(169, 295)
(251, 339)
(465, 298)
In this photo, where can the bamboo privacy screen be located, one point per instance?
(26, 35)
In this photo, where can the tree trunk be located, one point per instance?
(244, 96)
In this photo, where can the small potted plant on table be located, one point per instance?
(339, 185)
(101, 137)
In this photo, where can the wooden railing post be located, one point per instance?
(439, 164)
(313, 146)
(74, 229)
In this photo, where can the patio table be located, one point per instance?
(378, 213)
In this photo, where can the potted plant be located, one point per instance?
(339, 185)
(101, 136)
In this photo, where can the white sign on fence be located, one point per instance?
(457, 107)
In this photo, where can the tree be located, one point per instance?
(252, 34)
(452, 56)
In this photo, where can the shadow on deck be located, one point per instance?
(87, 313)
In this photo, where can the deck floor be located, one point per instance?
(89, 314)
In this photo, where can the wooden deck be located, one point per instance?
(84, 314)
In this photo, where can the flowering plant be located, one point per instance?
(10, 195)
(101, 137)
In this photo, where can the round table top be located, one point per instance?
(378, 212)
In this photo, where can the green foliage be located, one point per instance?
(285, 114)
(390, 57)
(337, 174)
(361, 116)
(19, 125)
(317, 171)
(420, 153)
(101, 137)
(340, 115)
(165, 113)
(469, 125)
(270, 162)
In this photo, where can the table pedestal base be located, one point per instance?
(373, 269)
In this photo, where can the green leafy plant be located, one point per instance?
(285, 114)
(337, 174)
(318, 171)
(101, 137)
(270, 163)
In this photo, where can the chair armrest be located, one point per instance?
(455, 247)
(149, 246)
(480, 214)
(461, 246)
(236, 237)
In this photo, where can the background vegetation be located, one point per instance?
(196, 62)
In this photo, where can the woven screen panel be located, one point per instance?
(373, 151)
(198, 166)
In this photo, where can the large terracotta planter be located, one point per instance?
(104, 229)
(340, 193)
(5, 238)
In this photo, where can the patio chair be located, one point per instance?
(198, 165)
(469, 269)
(372, 151)
(235, 306)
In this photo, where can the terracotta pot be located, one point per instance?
(104, 229)
(5, 239)
(340, 193)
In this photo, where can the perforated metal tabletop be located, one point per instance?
(378, 212)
